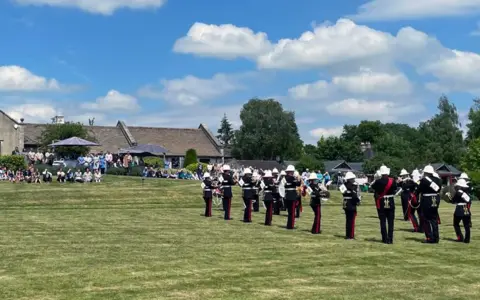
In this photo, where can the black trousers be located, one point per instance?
(298, 208)
(256, 204)
(317, 220)
(269, 212)
(290, 204)
(405, 196)
(466, 220)
(227, 205)
(411, 216)
(387, 221)
(208, 207)
(277, 204)
(431, 225)
(421, 223)
(247, 213)
(350, 216)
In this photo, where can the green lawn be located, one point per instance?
(125, 240)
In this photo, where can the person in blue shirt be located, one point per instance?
(81, 161)
(103, 164)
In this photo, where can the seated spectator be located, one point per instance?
(35, 176)
(78, 176)
(61, 176)
(97, 176)
(145, 172)
(70, 177)
(19, 176)
(11, 175)
(47, 176)
(87, 176)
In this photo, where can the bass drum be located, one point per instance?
(281, 190)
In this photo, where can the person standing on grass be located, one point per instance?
(298, 204)
(207, 194)
(385, 188)
(462, 200)
(429, 188)
(247, 190)
(276, 196)
(268, 198)
(315, 203)
(226, 187)
(256, 194)
(350, 202)
(291, 186)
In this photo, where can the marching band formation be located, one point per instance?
(420, 195)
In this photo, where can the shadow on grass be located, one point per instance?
(374, 240)
(418, 240)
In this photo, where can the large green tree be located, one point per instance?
(267, 131)
(225, 131)
(441, 137)
(57, 132)
(474, 124)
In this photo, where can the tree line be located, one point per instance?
(268, 132)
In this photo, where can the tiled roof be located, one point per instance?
(176, 140)
(257, 164)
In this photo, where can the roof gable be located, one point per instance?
(8, 117)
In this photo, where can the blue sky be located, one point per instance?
(179, 63)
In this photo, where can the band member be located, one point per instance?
(385, 188)
(461, 199)
(415, 202)
(404, 195)
(247, 190)
(315, 203)
(429, 188)
(207, 194)
(277, 202)
(255, 194)
(350, 202)
(300, 192)
(283, 207)
(268, 199)
(226, 186)
(291, 185)
(470, 190)
(409, 196)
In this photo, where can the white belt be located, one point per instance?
(290, 189)
(267, 191)
(430, 195)
(462, 204)
(207, 190)
(226, 186)
(389, 196)
(347, 198)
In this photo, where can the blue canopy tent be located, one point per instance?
(73, 141)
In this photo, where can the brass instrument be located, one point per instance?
(447, 193)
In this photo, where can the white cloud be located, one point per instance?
(224, 41)
(365, 82)
(15, 78)
(31, 112)
(476, 32)
(328, 45)
(113, 101)
(379, 10)
(191, 90)
(104, 7)
(326, 132)
(459, 72)
(372, 110)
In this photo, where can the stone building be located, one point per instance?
(112, 138)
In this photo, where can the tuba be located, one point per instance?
(447, 193)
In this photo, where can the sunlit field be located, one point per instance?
(126, 240)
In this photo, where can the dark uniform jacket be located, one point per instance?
(430, 195)
(384, 195)
(315, 198)
(462, 200)
(227, 184)
(350, 197)
(269, 189)
(247, 187)
(291, 188)
(208, 189)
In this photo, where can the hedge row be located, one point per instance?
(15, 162)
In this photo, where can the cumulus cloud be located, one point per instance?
(326, 132)
(225, 41)
(364, 82)
(191, 90)
(31, 112)
(16, 78)
(103, 7)
(372, 110)
(382, 10)
(113, 101)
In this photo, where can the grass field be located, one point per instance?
(125, 240)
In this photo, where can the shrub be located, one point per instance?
(153, 161)
(309, 162)
(135, 171)
(193, 167)
(14, 162)
(190, 157)
(475, 183)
